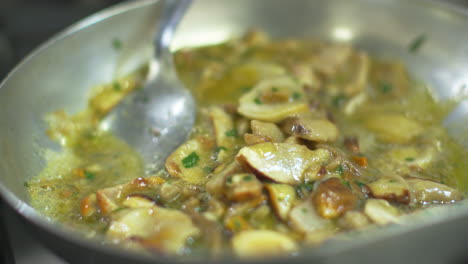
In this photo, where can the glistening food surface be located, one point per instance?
(296, 141)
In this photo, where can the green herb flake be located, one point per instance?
(248, 177)
(417, 43)
(360, 184)
(274, 89)
(231, 133)
(338, 100)
(346, 183)
(237, 225)
(89, 175)
(117, 87)
(340, 170)
(218, 149)
(191, 160)
(304, 210)
(386, 87)
(26, 184)
(296, 95)
(117, 44)
(257, 101)
(409, 159)
(229, 180)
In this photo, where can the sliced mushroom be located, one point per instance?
(392, 189)
(162, 229)
(188, 161)
(353, 220)
(138, 201)
(431, 192)
(253, 139)
(304, 218)
(307, 127)
(332, 198)
(283, 162)
(357, 72)
(393, 128)
(282, 198)
(225, 132)
(331, 58)
(381, 212)
(262, 243)
(285, 98)
(215, 185)
(267, 130)
(242, 187)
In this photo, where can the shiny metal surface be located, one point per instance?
(61, 72)
(155, 120)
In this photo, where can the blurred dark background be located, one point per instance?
(24, 24)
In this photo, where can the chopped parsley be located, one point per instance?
(307, 186)
(274, 89)
(360, 184)
(218, 149)
(338, 100)
(191, 160)
(89, 175)
(304, 210)
(207, 170)
(346, 183)
(409, 159)
(340, 170)
(417, 43)
(116, 44)
(231, 133)
(116, 86)
(386, 87)
(296, 95)
(257, 101)
(26, 184)
(248, 177)
(245, 89)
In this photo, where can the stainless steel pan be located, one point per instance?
(60, 73)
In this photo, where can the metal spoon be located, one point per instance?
(158, 118)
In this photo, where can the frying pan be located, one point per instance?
(59, 74)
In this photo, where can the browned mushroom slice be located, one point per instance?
(188, 161)
(283, 162)
(138, 201)
(392, 189)
(242, 187)
(431, 192)
(273, 99)
(162, 229)
(261, 243)
(331, 58)
(215, 185)
(307, 127)
(267, 130)
(304, 219)
(88, 206)
(332, 198)
(253, 139)
(393, 128)
(381, 212)
(282, 198)
(225, 132)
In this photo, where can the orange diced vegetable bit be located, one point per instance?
(361, 161)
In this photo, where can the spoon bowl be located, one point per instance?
(159, 117)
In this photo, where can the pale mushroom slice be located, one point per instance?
(267, 130)
(304, 218)
(283, 162)
(307, 127)
(225, 132)
(331, 58)
(215, 185)
(158, 228)
(393, 128)
(262, 243)
(381, 212)
(282, 198)
(430, 192)
(242, 187)
(358, 73)
(391, 188)
(190, 159)
(273, 99)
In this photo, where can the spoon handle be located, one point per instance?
(172, 13)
